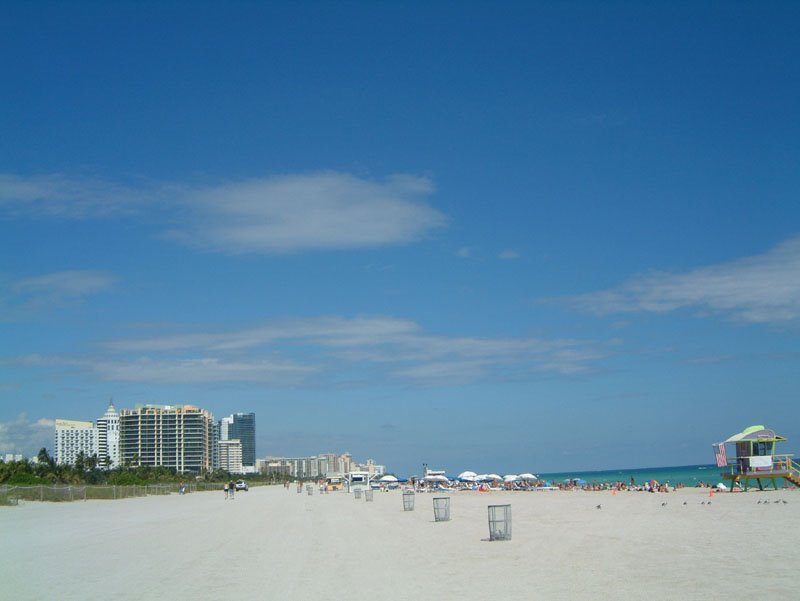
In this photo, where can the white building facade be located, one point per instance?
(230, 456)
(108, 438)
(73, 438)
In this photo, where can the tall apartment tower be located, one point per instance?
(242, 427)
(178, 437)
(108, 438)
(230, 456)
(72, 438)
(215, 438)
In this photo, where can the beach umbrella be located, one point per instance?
(493, 477)
(437, 478)
(467, 475)
(388, 478)
(527, 476)
(510, 478)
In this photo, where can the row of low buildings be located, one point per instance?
(182, 437)
(317, 466)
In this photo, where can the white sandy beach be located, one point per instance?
(270, 543)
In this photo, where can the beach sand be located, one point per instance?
(270, 543)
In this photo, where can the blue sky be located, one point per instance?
(528, 237)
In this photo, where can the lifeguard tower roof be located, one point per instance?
(759, 433)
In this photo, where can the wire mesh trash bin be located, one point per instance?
(357, 493)
(499, 522)
(441, 509)
(299, 488)
(408, 501)
(368, 495)
(310, 490)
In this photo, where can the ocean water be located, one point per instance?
(688, 475)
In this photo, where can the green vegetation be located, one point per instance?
(87, 470)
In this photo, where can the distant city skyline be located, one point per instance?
(529, 237)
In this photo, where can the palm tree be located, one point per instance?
(44, 457)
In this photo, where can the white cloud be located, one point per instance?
(331, 330)
(20, 297)
(176, 370)
(201, 371)
(64, 284)
(300, 212)
(324, 210)
(508, 254)
(401, 346)
(760, 289)
(291, 351)
(465, 252)
(24, 436)
(59, 196)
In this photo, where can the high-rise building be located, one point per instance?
(177, 437)
(215, 438)
(242, 427)
(230, 456)
(108, 438)
(73, 438)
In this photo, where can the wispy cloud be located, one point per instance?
(465, 252)
(176, 370)
(294, 351)
(20, 297)
(21, 435)
(397, 347)
(59, 196)
(296, 212)
(508, 254)
(759, 289)
(64, 284)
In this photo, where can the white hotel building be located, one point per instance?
(74, 437)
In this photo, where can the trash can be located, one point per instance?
(368, 495)
(441, 509)
(499, 522)
(299, 488)
(408, 500)
(310, 490)
(357, 493)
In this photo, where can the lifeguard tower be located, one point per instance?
(755, 459)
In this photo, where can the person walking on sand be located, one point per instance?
(231, 488)
(225, 488)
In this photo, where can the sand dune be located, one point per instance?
(271, 543)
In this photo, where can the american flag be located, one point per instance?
(720, 455)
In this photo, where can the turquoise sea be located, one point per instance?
(689, 475)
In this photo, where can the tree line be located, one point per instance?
(88, 469)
